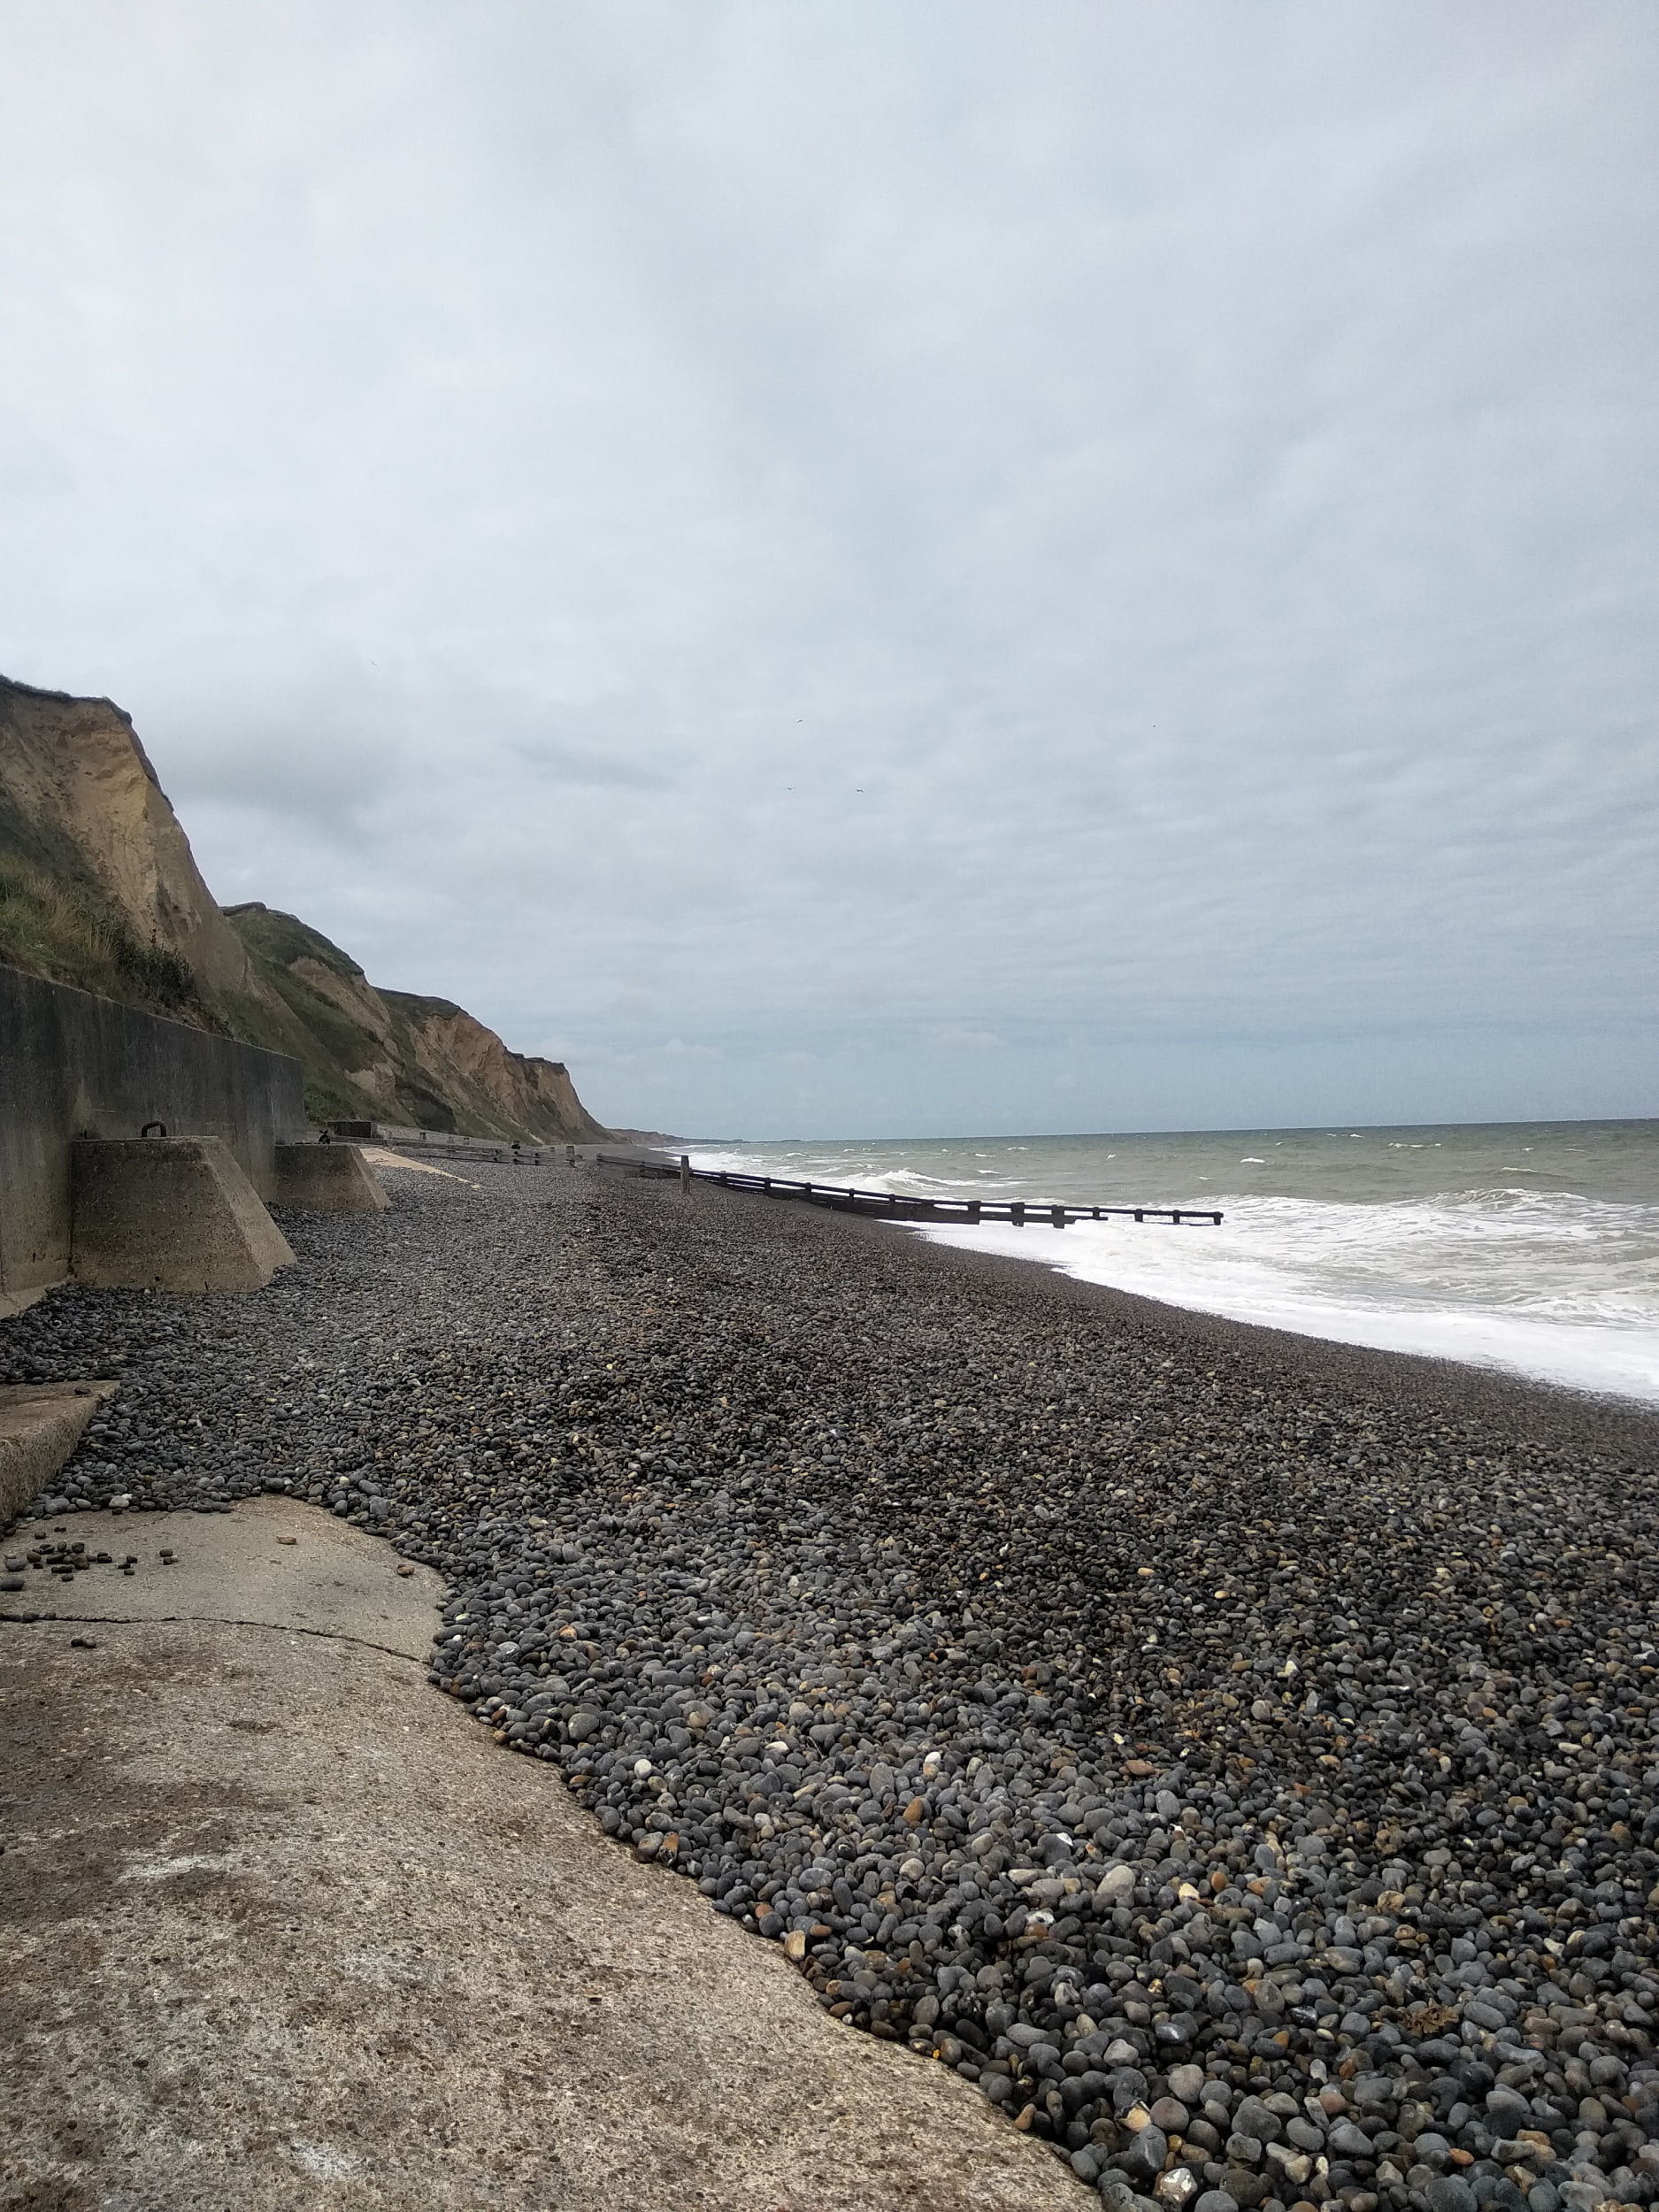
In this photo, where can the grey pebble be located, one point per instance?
(1346, 2141)
(1146, 2151)
(813, 1557)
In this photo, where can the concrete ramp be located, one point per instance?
(40, 1426)
(169, 1213)
(327, 1178)
(285, 1932)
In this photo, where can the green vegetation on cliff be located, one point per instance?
(328, 1041)
(57, 920)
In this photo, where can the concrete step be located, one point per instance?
(40, 1426)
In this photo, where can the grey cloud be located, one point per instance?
(719, 536)
(965, 1040)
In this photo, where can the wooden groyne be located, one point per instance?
(844, 1198)
(896, 1206)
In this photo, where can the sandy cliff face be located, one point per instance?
(459, 1056)
(552, 1090)
(99, 872)
(99, 888)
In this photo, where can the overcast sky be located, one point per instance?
(861, 568)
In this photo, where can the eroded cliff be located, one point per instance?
(99, 888)
(411, 1059)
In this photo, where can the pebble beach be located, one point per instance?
(1232, 1753)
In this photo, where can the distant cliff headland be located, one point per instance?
(99, 888)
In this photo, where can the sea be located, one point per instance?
(1532, 1246)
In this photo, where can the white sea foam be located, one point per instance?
(1532, 1246)
(1562, 1289)
(1544, 1281)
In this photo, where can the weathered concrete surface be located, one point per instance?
(271, 1563)
(285, 1930)
(327, 1178)
(170, 1213)
(40, 1426)
(378, 1157)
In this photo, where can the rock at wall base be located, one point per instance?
(327, 1178)
(169, 1213)
(40, 1426)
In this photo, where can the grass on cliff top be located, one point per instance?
(414, 1007)
(281, 939)
(327, 1042)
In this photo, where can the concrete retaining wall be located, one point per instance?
(73, 1065)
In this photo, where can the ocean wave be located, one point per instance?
(1535, 1277)
(1550, 1285)
(840, 1171)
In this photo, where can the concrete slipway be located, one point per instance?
(282, 1928)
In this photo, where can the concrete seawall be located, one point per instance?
(73, 1065)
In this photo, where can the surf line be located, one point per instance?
(895, 1207)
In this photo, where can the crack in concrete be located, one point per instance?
(204, 1620)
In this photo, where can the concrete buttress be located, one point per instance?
(327, 1178)
(169, 1213)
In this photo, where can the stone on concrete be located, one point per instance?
(272, 1563)
(169, 1213)
(40, 1426)
(285, 1930)
(327, 1178)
